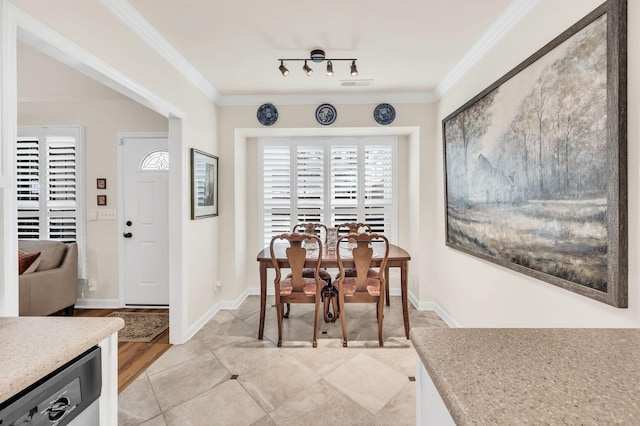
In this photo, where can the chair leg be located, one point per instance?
(386, 289)
(69, 310)
(343, 319)
(315, 322)
(286, 315)
(380, 309)
(279, 308)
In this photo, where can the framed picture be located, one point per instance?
(535, 165)
(204, 184)
(102, 200)
(101, 183)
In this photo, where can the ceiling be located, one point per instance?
(402, 46)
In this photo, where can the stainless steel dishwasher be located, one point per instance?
(67, 396)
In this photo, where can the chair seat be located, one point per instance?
(309, 287)
(349, 286)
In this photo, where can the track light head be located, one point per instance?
(329, 68)
(283, 69)
(354, 69)
(306, 68)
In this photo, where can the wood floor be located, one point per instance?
(133, 357)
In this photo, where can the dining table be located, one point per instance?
(398, 258)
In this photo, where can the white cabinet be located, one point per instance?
(430, 408)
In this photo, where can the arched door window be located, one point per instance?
(155, 161)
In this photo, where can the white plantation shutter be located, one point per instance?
(276, 198)
(61, 186)
(28, 186)
(49, 179)
(345, 189)
(309, 168)
(333, 180)
(378, 186)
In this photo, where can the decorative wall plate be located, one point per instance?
(267, 114)
(384, 114)
(326, 114)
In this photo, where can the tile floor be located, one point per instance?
(196, 384)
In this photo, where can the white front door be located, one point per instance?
(146, 221)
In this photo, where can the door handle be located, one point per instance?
(127, 235)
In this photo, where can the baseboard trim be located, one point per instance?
(98, 304)
(223, 304)
(419, 305)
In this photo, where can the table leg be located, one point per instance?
(404, 272)
(263, 297)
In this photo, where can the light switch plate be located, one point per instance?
(107, 214)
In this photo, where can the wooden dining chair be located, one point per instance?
(295, 288)
(358, 227)
(353, 227)
(319, 229)
(368, 284)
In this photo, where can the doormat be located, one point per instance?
(141, 326)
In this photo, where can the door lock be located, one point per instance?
(127, 235)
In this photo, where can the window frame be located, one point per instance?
(328, 211)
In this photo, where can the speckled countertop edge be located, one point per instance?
(33, 347)
(534, 376)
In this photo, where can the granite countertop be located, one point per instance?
(534, 376)
(33, 347)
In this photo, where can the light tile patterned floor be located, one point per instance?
(364, 384)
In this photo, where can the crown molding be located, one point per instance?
(335, 98)
(138, 24)
(500, 27)
(45, 39)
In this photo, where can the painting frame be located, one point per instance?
(614, 154)
(204, 184)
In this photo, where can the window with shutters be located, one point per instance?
(328, 180)
(49, 174)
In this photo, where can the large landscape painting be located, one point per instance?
(535, 165)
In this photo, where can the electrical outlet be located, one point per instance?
(91, 285)
(107, 214)
(219, 284)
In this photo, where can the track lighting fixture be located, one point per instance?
(354, 69)
(318, 55)
(307, 69)
(283, 69)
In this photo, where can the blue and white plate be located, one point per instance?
(267, 114)
(326, 114)
(384, 114)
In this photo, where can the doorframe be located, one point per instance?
(121, 136)
(18, 25)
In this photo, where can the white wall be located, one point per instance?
(91, 27)
(477, 293)
(239, 129)
(102, 120)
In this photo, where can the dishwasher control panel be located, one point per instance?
(59, 397)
